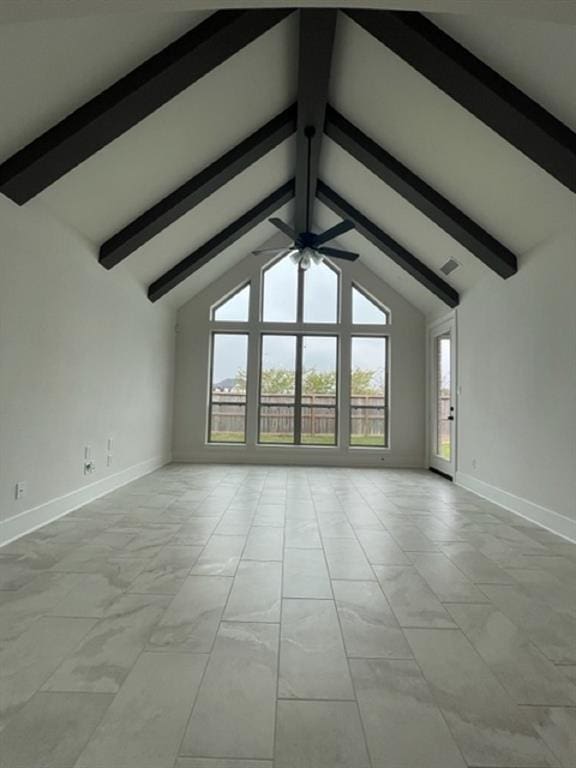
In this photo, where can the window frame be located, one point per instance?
(373, 300)
(300, 292)
(234, 292)
(386, 398)
(209, 440)
(298, 405)
(343, 331)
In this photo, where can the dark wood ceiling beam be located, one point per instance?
(425, 276)
(131, 99)
(477, 87)
(420, 194)
(189, 195)
(221, 241)
(317, 30)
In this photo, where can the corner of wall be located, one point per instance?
(28, 521)
(547, 518)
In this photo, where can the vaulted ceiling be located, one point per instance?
(459, 190)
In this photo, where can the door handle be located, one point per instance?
(450, 418)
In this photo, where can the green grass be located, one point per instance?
(227, 437)
(445, 450)
(273, 437)
(287, 439)
(374, 441)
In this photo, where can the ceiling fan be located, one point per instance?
(308, 248)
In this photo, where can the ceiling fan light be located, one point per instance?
(305, 260)
(294, 256)
(317, 257)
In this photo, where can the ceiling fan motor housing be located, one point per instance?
(305, 240)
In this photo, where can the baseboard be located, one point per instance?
(547, 518)
(34, 518)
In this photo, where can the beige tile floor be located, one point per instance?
(251, 617)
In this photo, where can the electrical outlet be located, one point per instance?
(20, 490)
(108, 460)
(473, 463)
(109, 445)
(89, 465)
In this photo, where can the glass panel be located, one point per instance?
(277, 389)
(444, 397)
(234, 308)
(320, 294)
(318, 425)
(368, 375)
(368, 391)
(368, 426)
(228, 387)
(228, 422)
(365, 310)
(276, 424)
(278, 377)
(280, 292)
(319, 389)
(319, 367)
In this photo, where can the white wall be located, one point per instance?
(517, 371)
(84, 356)
(407, 382)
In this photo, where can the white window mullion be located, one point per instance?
(252, 388)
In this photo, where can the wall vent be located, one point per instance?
(449, 267)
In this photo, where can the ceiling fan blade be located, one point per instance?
(279, 224)
(336, 253)
(338, 229)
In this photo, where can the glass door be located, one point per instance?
(442, 396)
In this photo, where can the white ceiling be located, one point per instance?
(58, 64)
(49, 68)
(179, 139)
(537, 57)
(212, 215)
(563, 11)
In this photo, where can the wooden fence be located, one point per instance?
(319, 414)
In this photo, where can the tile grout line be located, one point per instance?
(328, 491)
(277, 698)
(348, 666)
(209, 654)
(441, 713)
(430, 688)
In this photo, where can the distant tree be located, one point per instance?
(319, 382)
(240, 381)
(280, 381)
(277, 381)
(365, 382)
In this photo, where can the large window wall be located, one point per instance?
(313, 350)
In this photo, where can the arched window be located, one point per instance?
(300, 337)
(234, 307)
(366, 310)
